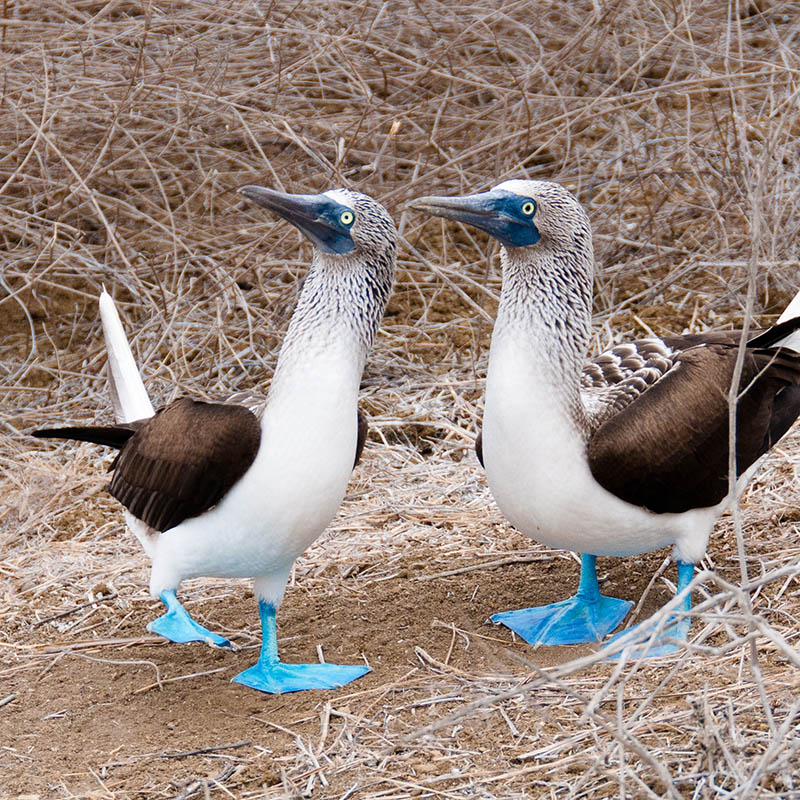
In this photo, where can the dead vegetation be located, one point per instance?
(126, 128)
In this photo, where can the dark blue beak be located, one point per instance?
(497, 212)
(316, 216)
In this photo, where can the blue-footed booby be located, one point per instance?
(241, 488)
(629, 452)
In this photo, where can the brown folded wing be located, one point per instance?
(667, 450)
(182, 461)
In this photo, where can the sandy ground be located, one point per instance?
(95, 706)
(126, 129)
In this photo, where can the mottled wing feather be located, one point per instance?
(184, 460)
(623, 360)
(619, 375)
(667, 450)
(249, 399)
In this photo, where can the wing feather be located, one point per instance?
(363, 429)
(667, 450)
(184, 460)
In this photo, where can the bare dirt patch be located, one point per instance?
(108, 702)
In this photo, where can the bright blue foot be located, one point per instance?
(177, 626)
(674, 633)
(570, 621)
(585, 617)
(273, 676)
(279, 677)
(642, 646)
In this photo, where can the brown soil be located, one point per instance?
(126, 128)
(87, 716)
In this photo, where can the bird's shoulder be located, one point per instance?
(252, 400)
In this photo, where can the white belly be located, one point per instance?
(538, 472)
(561, 505)
(278, 508)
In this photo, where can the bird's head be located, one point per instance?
(518, 213)
(337, 222)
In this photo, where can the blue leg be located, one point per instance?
(177, 626)
(585, 617)
(273, 676)
(675, 630)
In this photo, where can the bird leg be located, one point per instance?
(271, 675)
(587, 616)
(649, 642)
(177, 626)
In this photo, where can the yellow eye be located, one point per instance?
(528, 207)
(347, 218)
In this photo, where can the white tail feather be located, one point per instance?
(128, 395)
(792, 341)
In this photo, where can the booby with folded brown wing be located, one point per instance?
(242, 488)
(628, 453)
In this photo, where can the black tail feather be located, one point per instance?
(110, 435)
(774, 334)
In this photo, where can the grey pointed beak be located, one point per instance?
(468, 208)
(494, 212)
(291, 207)
(314, 215)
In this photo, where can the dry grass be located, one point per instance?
(125, 128)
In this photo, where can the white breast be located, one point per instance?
(287, 497)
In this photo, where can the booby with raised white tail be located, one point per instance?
(241, 488)
(625, 454)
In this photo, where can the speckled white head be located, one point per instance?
(558, 216)
(372, 230)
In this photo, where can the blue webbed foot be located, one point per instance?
(665, 643)
(585, 617)
(279, 677)
(271, 675)
(674, 632)
(570, 621)
(178, 626)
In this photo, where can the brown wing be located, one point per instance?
(182, 461)
(668, 449)
(363, 428)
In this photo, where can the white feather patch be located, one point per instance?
(792, 341)
(128, 395)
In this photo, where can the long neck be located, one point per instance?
(335, 321)
(544, 321)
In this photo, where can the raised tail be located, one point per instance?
(785, 332)
(128, 395)
(792, 312)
